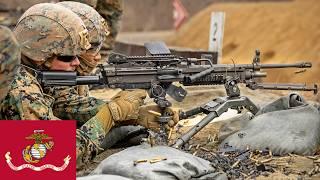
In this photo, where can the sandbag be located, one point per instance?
(234, 124)
(102, 177)
(171, 164)
(287, 125)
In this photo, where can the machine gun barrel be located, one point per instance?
(257, 66)
(294, 65)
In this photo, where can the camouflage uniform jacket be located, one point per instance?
(73, 103)
(26, 101)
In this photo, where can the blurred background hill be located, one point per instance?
(284, 32)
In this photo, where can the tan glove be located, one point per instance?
(125, 105)
(149, 119)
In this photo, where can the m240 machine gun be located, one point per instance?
(159, 71)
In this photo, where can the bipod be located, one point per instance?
(215, 108)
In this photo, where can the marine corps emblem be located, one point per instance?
(34, 153)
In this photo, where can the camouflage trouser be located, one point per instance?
(88, 141)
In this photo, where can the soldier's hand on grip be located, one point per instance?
(149, 117)
(125, 105)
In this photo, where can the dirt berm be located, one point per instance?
(285, 32)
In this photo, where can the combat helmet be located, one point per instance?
(94, 22)
(98, 31)
(9, 59)
(47, 29)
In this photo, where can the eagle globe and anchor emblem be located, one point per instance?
(36, 152)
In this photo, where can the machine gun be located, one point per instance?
(158, 72)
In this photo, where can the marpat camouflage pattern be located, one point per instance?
(9, 59)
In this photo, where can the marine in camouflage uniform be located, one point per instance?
(9, 59)
(48, 50)
(76, 100)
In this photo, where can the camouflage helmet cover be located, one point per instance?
(96, 25)
(9, 59)
(48, 29)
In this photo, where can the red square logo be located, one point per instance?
(37, 150)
